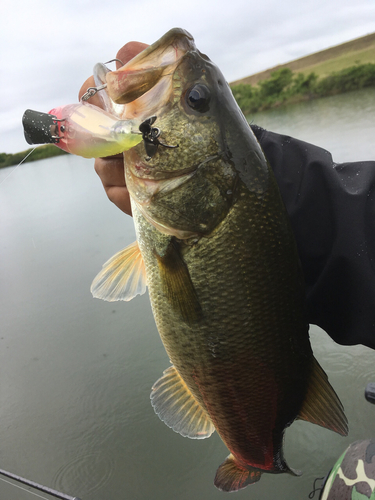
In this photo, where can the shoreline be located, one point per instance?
(287, 87)
(40, 153)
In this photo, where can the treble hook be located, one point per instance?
(91, 91)
(150, 136)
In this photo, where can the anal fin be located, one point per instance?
(123, 276)
(322, 406)
(232, 476)
(176, 406)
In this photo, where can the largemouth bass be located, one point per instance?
(216, 251)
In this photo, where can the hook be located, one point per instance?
(91, 91)
(113, 60)
(151, 136)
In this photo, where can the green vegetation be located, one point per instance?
(41, 152)
(284, 86)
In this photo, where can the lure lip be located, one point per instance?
(40, 128)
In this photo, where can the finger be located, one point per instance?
(111, 173)
(111, 170)
(128, 51)
(119, 195)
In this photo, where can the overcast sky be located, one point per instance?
(49, 47)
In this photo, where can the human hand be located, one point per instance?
(111, 168)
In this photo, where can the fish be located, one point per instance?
(215, 248)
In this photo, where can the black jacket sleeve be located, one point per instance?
(332, 212)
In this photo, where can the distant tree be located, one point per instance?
(274, 86)
(304, 84)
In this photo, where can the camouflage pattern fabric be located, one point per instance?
(353, 475)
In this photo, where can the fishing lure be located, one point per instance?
(81, 129)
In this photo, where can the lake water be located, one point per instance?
(76, 372)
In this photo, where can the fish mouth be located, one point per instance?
(145, 70)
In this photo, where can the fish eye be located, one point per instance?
(198, 98)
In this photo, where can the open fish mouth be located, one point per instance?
(146, 69)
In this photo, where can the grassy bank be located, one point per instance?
(40, 153)
(284, 86)
(323, 63)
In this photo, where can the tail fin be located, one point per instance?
(231, 476)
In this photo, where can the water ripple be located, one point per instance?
(85, 473)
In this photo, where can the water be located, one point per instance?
(76, 372)
(343, 124)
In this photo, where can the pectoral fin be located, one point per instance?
(176, 406)
(322, 405)
(177, 284)
(231, 476)
(122, 277)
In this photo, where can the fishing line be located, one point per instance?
(24, 489)
(315, 489)
(32, 151)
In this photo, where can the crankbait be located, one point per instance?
(81, 129)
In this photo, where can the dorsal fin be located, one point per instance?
(123, 276)
(176, 406)
(177, 284)
(322, 406)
